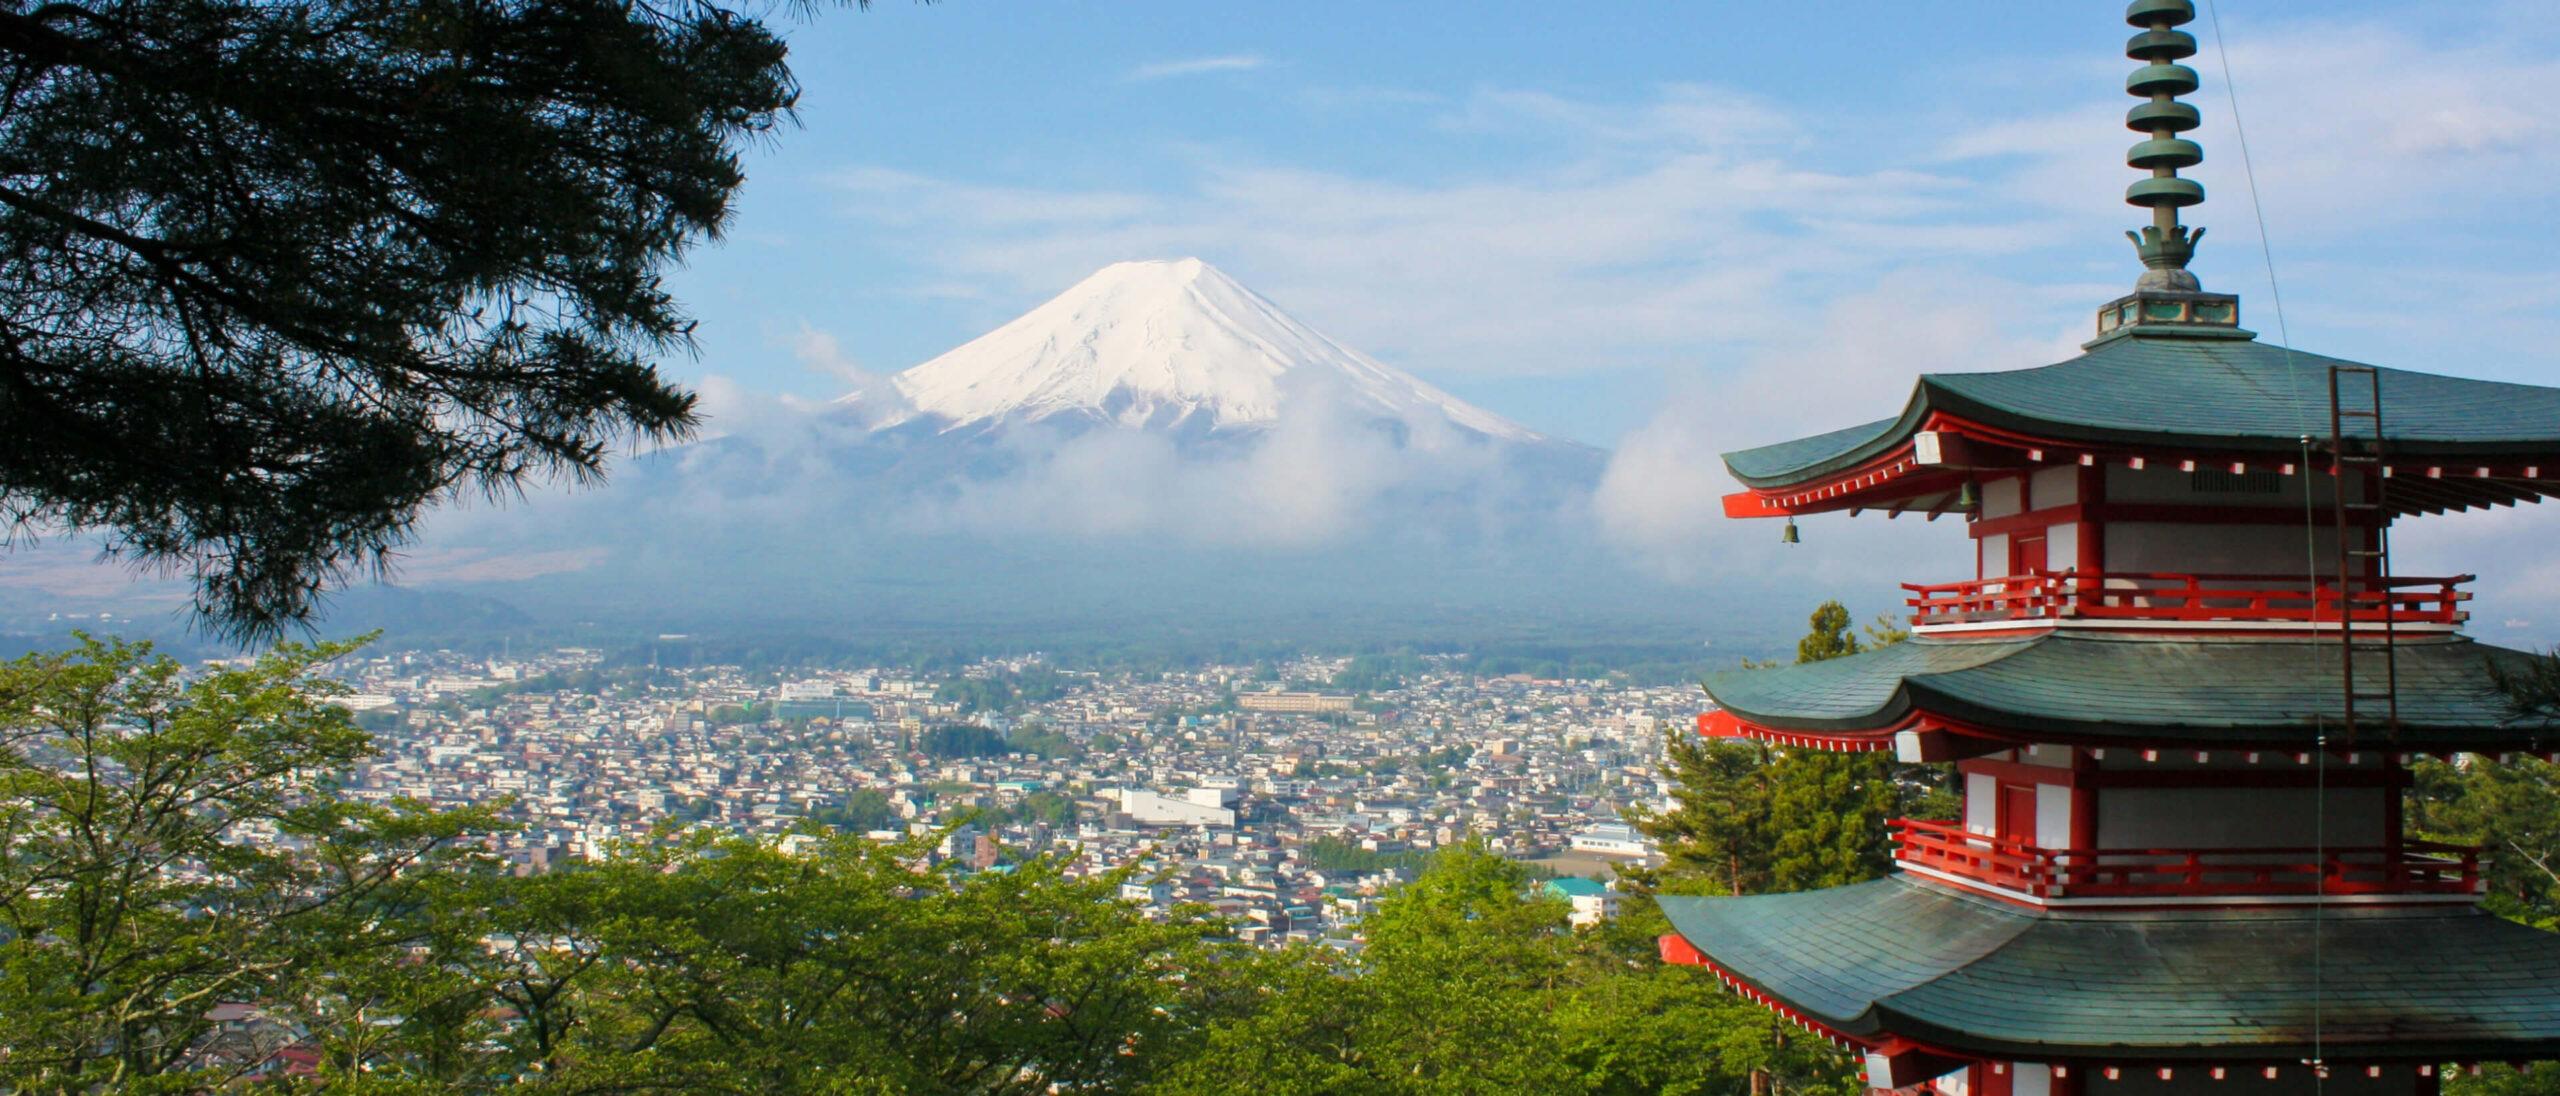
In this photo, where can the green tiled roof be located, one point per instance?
(1974, 975)
(2225, 693)
(2215, 394)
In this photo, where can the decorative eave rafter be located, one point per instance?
(1926, 474)
(1922, 736)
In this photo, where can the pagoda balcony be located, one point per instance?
(2161, 599)
(2415, 868)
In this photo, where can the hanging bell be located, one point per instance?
(1966, 500)
(1788, 534)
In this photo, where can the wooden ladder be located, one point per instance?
(2356, 460)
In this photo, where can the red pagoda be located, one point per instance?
(2181, 689)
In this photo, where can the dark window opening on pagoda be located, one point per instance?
(2235, 483)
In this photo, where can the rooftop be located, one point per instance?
(2102, 689)
(2201, 396)
(1978, 976)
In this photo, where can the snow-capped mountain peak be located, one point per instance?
(1164, 343)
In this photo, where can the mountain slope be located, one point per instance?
(1166, 344)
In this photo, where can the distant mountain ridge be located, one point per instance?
(1164, 345)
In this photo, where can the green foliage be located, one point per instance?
(1886, 630)
(956, 740)
(1047, 808)
(1715, 837)
(133, 897)
(2538, 1079)
(1333, 855)
(1746, 819)
(1379, 672)
(862, 812)
(739, 715)
(1828, 815)
(1005, 692)
(2513, 809)
(708, 963)
(1472, 983)
(952, 740)
(1032, 740)
(285, 275)
(701, 961)
(1830, 637)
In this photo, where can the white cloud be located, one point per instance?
(1234, 62)
(1322, 475)
(2456, 128)
(1556, 269)
(1661, 499)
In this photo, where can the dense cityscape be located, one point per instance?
(1285, 796)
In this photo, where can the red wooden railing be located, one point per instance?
(2088, 595)
(2416, 867)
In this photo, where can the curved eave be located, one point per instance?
(1923, 472)
(1894, 958)
(2122, 692)
(1803, 461)
(2495, 436)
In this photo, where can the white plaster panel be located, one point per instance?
(2053, 816)
(2030, 1079)
(2054, 487)
(2000, 497)
(1981, 803)
(2062, 546)
(1995, 555)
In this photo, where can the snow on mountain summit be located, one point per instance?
(1163, 343)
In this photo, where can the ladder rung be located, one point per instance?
(2351, 413)
(2363, 553)
(2364, 506)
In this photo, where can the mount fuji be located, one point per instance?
(1158, 447)
(1168, 345)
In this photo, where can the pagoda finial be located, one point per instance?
(2167, 299)
(2166, 246)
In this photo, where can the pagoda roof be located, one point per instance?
(2178, 391)
(2100, 688)
(1975, 976)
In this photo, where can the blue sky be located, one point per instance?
(1580, 216)
(1667, 229)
